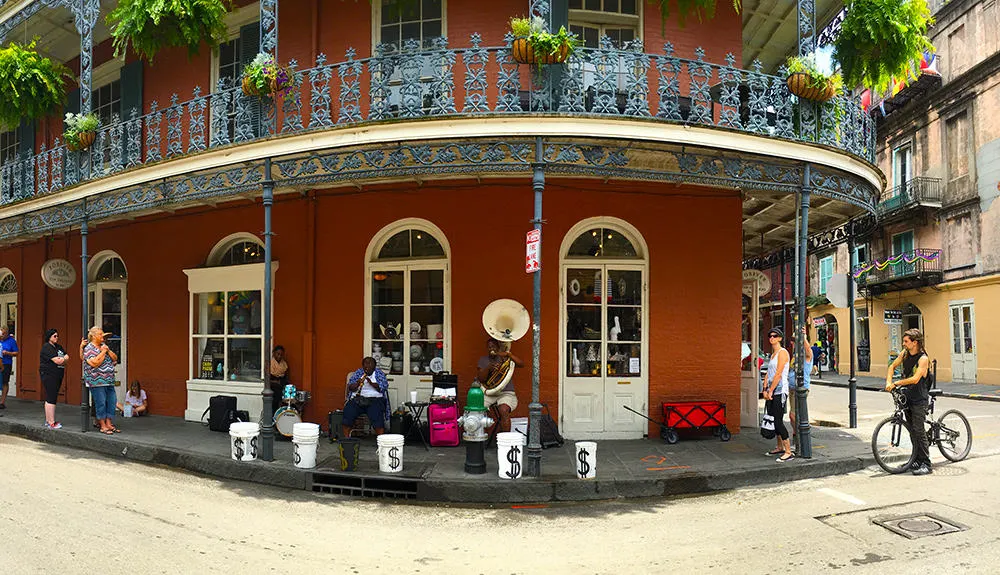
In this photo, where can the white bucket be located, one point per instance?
(510, 454)
(305, 437)
(243, 438)
(519, 424)
(586, 459)
(390, 453)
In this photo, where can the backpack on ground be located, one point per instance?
(549, 431)
(221, 412)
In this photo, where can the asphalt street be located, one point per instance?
(69, 511)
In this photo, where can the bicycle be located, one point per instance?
(891, 443)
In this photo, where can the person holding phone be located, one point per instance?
(99, 377)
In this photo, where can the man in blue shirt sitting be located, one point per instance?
(8, 351)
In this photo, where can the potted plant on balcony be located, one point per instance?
(151, 25)
(81, 130)
(31, 85)
(265, 78)
(881, 41)
(533, 44)
(806, 80)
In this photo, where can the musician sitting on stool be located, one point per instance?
(368, 393)
(489, 370)
(279, 376)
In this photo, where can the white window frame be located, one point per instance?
(905, 148)
(824, 278)
(11, 147)
(855, 259)
(235, 20)
(377, 22)
(603, 20)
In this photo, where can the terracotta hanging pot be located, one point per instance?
(524, 53)
(802, 86)
(86, 141)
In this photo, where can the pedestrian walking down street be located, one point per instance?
(817, 351)
(51, 368)
(793, 399)
(914, 387)
(99, 376)
(776, 392)
(8, 349)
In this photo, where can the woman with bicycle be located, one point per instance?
(914, 387)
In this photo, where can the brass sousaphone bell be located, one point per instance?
(505, 320)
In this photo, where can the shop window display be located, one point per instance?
(227, 336)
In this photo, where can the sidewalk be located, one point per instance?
(637, 468)
(978, 391)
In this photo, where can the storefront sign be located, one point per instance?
(819, 321)
(763, 282)
(58, 274)
(893, 317)
(533, 251)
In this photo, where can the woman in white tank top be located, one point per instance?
(776, 390)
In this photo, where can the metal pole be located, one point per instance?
(852, 381)
(533, 467)
(84, 394)
(784, 308)
(801, 407)
(267, 430)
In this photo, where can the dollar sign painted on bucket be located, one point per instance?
(514, 470)
(253, 447)
(394, 458)
(238, 449)
(295, 449)
(584, 464)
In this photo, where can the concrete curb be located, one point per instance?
(867, 387)
(459, 490)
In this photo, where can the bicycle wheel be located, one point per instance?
(954, 435)
(891, 445)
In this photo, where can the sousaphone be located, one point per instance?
(505, 320)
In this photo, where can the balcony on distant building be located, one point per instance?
(900, 201)
(908, 270)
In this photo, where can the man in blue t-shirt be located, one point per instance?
(8, 351)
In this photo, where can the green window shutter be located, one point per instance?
(131, 99)
(249, 48)
(25, 139)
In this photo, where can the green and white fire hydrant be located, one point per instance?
(474, 422)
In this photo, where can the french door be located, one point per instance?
(8, 315)
(604, 364)
(409, 319)
(963, 342)
(109, 310)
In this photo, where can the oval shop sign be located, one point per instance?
(58, 274)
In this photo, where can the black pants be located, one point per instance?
(777, 411)
(915, 415)
(51, 385)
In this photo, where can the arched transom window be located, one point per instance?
(600, 242)
(8, 284)
(411, 244)
(242, 252)
(111, 270)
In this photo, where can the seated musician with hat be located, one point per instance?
(491, 370)
(368, 393)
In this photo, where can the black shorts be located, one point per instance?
(8, 370)
(52, 385)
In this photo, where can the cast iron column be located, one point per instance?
(85, 14)
(267, 430)
(852, 381)
(784, 303)
(801, 407)
(533, 467)
(84, 403)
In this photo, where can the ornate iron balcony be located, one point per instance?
(916, 192)
(411, 83)
(906, 270)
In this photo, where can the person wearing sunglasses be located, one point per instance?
(776, 392)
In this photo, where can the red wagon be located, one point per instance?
(694, 415)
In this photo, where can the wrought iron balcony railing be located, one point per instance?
(440, 82)
(919, 263)
(918, 191)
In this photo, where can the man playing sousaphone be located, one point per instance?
(492, 371)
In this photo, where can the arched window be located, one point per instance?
(408, 304)
(8, 284)
(111, 270)
(604, 344)
(236, 250)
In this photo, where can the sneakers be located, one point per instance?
(922, 469)
(55, 425)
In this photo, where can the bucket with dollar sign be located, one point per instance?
(390, 453)
(510, 454)
(586, 459)
(243, 440)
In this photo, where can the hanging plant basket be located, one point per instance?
(803, 86)
(524, 53)
(148, 26)
(85, 141)
(31, 85)
(264, 78)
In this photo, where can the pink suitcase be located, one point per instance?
(443, 419)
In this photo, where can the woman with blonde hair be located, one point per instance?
(99, 377)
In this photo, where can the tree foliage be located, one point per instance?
(882, 40)
(31, 85)
(151, 25)
(701, 9)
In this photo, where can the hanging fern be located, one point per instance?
(31, 85)
(882, 40)
(151, 25)
(701, 9)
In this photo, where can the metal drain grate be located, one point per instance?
(917, 525)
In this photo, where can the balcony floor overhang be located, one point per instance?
(482, 146)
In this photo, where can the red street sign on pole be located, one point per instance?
(533, 251)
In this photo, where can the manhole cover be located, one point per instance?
(919, 525)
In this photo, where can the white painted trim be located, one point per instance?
(228, 278)
(15, 298)
(455, 129)
(13, 8)
(98, 260)
(223, 246)
(235, 20)
(641, 263)
(377, 21)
